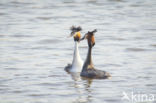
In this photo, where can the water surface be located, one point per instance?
(34, 49)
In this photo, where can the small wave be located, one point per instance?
(44, 18)
(49, 41)
(153, 45)
(38, 95)
(136, 49)
(20, 35)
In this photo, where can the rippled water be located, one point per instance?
(34, 49)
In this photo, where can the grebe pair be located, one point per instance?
(87, 69)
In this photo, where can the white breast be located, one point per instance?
(77, 61)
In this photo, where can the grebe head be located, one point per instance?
(75, 32)
(90, 37)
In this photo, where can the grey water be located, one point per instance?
(34, 49)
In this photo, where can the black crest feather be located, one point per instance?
(74, 28)
(92, 32)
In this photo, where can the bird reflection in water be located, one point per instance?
(82, 86)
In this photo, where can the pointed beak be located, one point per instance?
(84, 37)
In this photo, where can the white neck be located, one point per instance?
(77, 62)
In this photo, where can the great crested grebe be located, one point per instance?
(88, 68)
(77, 62)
